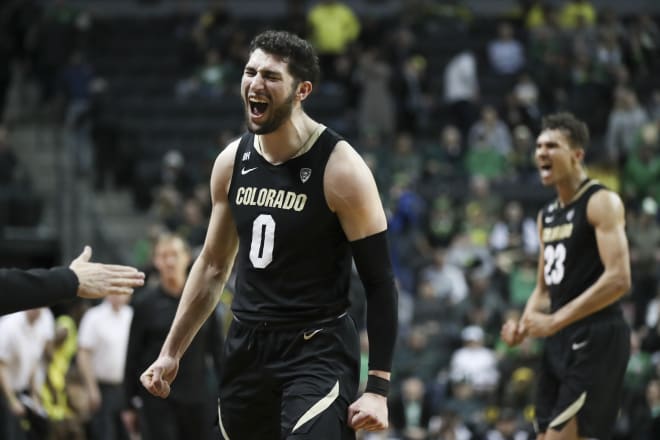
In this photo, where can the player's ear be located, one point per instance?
(304, 89)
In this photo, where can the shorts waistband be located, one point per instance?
(275, 325)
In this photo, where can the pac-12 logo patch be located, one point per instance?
(305, 173)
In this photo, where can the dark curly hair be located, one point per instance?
(299, 54)
(575, 130)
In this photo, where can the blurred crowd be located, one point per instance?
(444, 105)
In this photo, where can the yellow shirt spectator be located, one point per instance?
(575, 10)
(333, 27)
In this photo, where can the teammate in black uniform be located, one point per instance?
(583, 270)
(292, 202)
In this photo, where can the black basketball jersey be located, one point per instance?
(294, 260)
(570, 251)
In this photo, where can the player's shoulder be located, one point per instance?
(229, 151)
(604, 204)
(345, 162)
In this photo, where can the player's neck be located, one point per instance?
(289, 140)
(568, 188)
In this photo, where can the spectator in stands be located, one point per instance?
(644, 235)
(623, 126)
(376, 102)
(410, 410)
(490, 132)
(404, 157)
(53, 38)
(483, 160)
(521, 159)
(639, 373)
(575, 11)
(64, 422)
(24, 337)
(443, 158)
(210, 80)
(212, 28)
(76, 79)
(474, 362)
(333, 27)
(609, 54)
(642, 46)
(505, 53)
(461, 89)
(536, 13)
(193, 224)
(413, 101)
(446, 280)
(507, 427)
(442, 222)
(484, 305)
(514, 232)
(526, 99)
(101, 359)
(652, 426)
(641, 171)
(450, 423)
(415, 356)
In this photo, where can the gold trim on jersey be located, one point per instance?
(570, 411)
(304, 148)
(316, 134)
(318, 407)
(580, 191)
(222, 428)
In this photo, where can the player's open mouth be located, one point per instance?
(257, 106)
(545, 169)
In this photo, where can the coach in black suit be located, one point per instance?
(28, 289)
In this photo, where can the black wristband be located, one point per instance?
(377, 385)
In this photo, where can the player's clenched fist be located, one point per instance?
(159, 376)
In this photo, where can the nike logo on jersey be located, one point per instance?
(578, 345)
(245, 171)
(310, 334)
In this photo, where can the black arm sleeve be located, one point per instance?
(372, 260)
(28, 289)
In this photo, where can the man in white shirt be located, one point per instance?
(102, 344)
(23, 339)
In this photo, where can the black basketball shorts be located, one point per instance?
(289, 383)
(581, 375)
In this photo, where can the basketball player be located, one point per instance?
(292, 201)
(583, 270)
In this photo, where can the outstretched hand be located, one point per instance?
(369, 412)
(160, 375)
(96, 280)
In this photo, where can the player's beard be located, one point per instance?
(279, 114)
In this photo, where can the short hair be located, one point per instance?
(575, 130)
(170, 237)
(298, 53)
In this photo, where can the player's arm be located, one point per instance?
(539, 300)
(351, 192)
(206, 280)
(606, 214)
